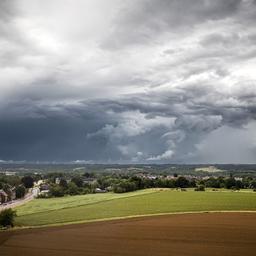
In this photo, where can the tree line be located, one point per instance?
(119, 183)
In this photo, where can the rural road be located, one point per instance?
(30, 196)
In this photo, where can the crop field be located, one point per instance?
(197, 234)
(147, 202)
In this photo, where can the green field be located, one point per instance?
(103, 206)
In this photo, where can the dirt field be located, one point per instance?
(189, 234)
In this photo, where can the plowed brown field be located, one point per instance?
(183, 234)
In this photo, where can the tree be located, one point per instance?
(200, 188)
(28, 181)
(78, 181)
(13, 181)
(20, 191)
(253, 184)
(138, 181)
(8, 190)
(56, 191)
(7, 217)
(230, 182)
(160, 183)
(182, 182)
(63, 183)
(239, 184)
(192, 183)
(72, 189)
(212, 183)
(89, 175)
(104, 182)
(170, 183)
(124, 186)
(246, 181)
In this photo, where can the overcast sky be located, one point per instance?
(121, 81)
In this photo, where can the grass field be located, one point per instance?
(103, 206)
(45, 205)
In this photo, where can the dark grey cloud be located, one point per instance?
(144, 21)
(127, 81)
(155, 126)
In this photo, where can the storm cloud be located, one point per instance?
(147, 81)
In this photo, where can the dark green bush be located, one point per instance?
(7, 217)
(200, 188)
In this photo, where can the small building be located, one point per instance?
(88, 181)
(13, 193)
(57, 181)
(44, 192)
(10, 192)
(3, 197)
(10, 173)
(44, 187)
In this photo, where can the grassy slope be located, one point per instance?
(45, 205)
(144, 203)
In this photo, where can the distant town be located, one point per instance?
(21, 183)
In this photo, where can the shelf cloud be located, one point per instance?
(118, 81)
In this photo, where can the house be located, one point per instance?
(57, 181)
(13, 193)
(44, 192)
(44, 187)
(10, 192)
(88, 181)
(3, 197)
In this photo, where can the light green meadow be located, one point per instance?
(146, 202)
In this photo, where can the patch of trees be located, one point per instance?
(123, 184)
(12, 186)
(78, 183)
(20, 191)
(74, 187)
(28, 181)
(63, 183)
(230, 183)
(135, 183)
(200, 188)
(56, 190)
(13, 181)
(7, 218)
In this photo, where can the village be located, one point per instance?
(16, 189)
